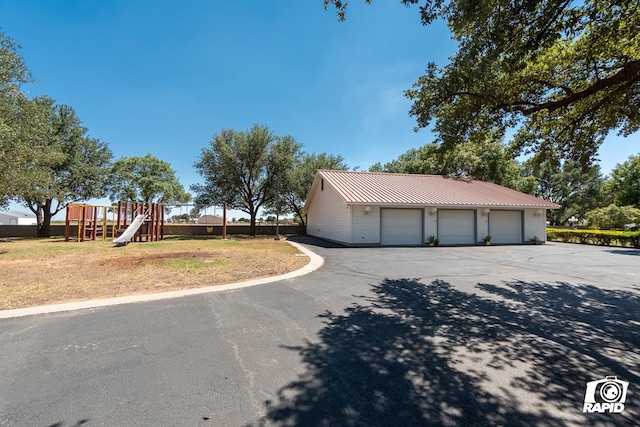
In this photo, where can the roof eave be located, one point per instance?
(454, 206)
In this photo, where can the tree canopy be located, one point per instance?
(576, 188)
(562, 73)
(284, 157)
(300, 177)
(145, 179)
(613, 216)
(76, 172)
(13, 71)
(624, 183)
(486, 160)
(23, 123)
(240, 169)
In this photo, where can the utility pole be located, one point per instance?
(224, 221)
(277, 208)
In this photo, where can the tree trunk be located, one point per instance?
(300, 214)
(44, 225)
(252, 226)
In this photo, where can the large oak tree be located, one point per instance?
(299, 177)
(486, 160)
(240, 168)
(23, 125)
(76, 172)
(562, 73)
(624, 183)
(145, 179)
(578, 189)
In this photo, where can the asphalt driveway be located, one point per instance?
(500, 335)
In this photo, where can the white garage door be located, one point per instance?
(505, 226)
(402, 227)
(456, 227)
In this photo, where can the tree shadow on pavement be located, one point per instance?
(314, 241)
(429, 354)
(635, 252)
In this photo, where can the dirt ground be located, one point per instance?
(45, 271)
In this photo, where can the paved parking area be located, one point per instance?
(499, 335)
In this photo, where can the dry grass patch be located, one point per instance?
(44, 271)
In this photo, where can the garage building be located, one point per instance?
(10, 217)
(372, 208)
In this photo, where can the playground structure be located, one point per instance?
(89, 225)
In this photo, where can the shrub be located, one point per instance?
(613, 216)
(595, 237)
(433, 241)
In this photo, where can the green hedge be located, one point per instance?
(595, 237)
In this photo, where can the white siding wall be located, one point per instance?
(430, 224)
(535, 226)
(25, 221)
(365, 226)
(482, 225)
(329, 217)
(7, 219)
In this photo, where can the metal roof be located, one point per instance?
(379, 188)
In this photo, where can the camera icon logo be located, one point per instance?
(605, 395)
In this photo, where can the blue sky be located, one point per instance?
(161, 77)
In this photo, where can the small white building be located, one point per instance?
(370, 208)
(11, 217)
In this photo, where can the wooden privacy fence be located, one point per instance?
(58, 230)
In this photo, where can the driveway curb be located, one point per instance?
(315, 262)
